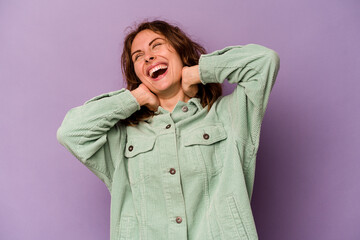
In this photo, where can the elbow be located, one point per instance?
(267, 55)
(272, 61)
(65, 132)
(61, 135)
(273, 57)
(265, 51)
(66, 138)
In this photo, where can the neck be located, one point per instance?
(169, 102)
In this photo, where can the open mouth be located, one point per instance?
(158, 71)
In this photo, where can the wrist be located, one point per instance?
(192, 74)
(139, 96)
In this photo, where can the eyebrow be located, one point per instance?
(149, 45)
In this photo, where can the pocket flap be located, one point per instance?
(205, 135)
(134, 146)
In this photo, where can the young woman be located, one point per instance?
(177, 158)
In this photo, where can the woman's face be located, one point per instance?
(156, 63)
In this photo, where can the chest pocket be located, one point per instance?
(205, 148)
(141, 158)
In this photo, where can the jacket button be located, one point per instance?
(206, 136)
(178, 219)
(172, 171)
(168, 126)
(185, 108)
(131, 148)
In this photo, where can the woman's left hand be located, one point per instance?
(190, 80)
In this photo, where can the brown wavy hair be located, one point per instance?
(189, 52)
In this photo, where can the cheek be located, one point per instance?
(138, 72)
(142, 78)
(178, 68)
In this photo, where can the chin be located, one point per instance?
(162, 87)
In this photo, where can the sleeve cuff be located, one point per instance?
(206, 69)
(128, 103)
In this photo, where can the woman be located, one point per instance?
(178, 159)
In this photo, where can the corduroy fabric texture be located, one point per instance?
(187, 174)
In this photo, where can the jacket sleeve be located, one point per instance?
(86, 131)
(254, 69)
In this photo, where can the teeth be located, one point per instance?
(158, 67)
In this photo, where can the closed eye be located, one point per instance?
(137, 56)
(156, 44)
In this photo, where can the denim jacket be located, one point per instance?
(185, 174)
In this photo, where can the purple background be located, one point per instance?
(57, 54)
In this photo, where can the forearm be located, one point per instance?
(252, 67)
(237, 63)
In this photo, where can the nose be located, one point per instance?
(149, 58)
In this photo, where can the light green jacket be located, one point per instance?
(187, 174)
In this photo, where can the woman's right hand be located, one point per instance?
(145, 97)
